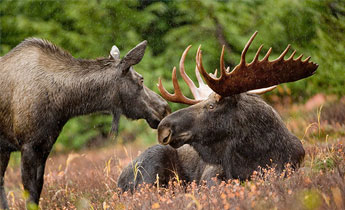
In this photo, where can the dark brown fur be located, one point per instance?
(163, 163)
(229, 136)
(43, 86)
(241, 133)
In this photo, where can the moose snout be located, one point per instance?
(167, 110)
(164, 111)
(164, 135)
(158, 116)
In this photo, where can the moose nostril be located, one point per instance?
(165, 140)
(164, 136)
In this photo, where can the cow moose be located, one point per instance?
(229, 131)
(43, 86)
(231, 126)
(161, 163)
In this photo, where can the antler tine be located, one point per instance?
(291, 56)
(243, 55)
(178, 96)
(199, 93)
(204, 91)
(215, 73)
(256, 58)
(307, 59)
(201, 69)
(267, 54)
(281, 57)
(299, 57)
(198, 77)
(222, 68)
(257, 74)
(185, 77)
(262, 90)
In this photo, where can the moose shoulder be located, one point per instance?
(232, 127)
(42, 86)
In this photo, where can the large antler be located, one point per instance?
(257, 74)
(199, 94)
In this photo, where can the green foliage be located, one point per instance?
(88, 29)
(81, 130)
(327, 163)
(310, 199)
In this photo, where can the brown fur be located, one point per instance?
(241, 133)
(167, 163)
(43, 86)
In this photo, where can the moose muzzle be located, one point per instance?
(164, 135)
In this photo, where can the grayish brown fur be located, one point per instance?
(43, 86)
(241, 133)
(163, 163)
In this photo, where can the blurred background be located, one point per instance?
(89, 28)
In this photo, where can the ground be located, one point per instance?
(87, 179)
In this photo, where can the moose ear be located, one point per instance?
(134, 56)
(115, 52)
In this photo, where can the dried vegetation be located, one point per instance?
(87, 180)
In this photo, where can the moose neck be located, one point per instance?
(90, 88)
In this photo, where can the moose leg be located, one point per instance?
(40, 172)
(30, 163)
(33, 165)
(4, 158)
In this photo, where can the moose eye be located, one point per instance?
(141, 81)
(210, 106)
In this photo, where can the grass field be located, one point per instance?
(87, 179)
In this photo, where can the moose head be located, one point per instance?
(134, 99)
(228, 124)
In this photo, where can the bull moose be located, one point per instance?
(43, 86)
(233, 127)
(228, 124)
